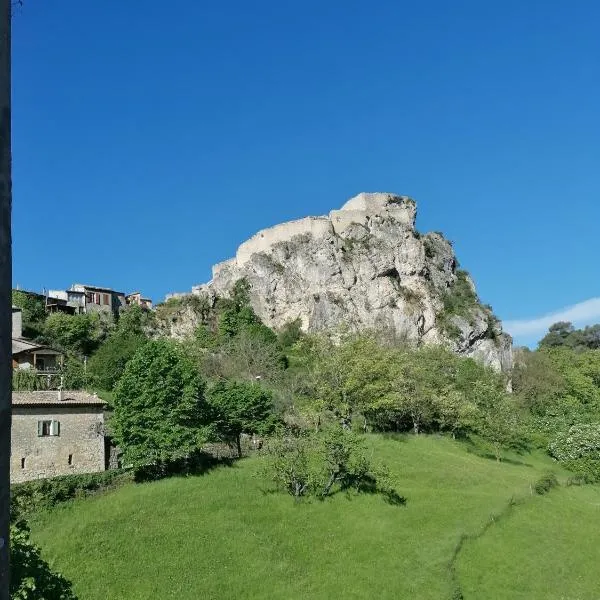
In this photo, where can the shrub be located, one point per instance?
(579, 450)
(45, 493)
(290, 333)
(30, 576)
(320, 463)
(545, 483)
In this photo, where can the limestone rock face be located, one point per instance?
(364, 266)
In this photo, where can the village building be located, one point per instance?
(97, 299)
(136, 298)
(27, 354)
(56, 433)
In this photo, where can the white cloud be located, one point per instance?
(583, 313)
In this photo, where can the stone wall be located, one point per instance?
(81, 437)
(264, 240)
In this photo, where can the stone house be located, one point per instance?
(96, 299)
(27, 354)
(139, 300)
(56, 433)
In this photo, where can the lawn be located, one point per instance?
(220, 536)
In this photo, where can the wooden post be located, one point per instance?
(5, 293)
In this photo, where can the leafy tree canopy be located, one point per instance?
(31, 578)
(81, 334)
(239, 407)
(33, 312)
(564, 334)
(159, 408)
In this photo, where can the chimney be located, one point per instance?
(17, 322)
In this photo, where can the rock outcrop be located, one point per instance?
(367, 267)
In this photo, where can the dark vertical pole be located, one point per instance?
(5, 293)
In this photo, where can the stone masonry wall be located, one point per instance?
(81, 436)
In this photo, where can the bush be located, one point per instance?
(45, 493)
(579, 450)
(30, 576)
(545, 483)
(320, 463)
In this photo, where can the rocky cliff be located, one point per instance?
(367, 267)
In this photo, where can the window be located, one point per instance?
(70, 459)
(22, 463)
(48, 428)
(40, 364)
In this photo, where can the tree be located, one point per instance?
(564, 334)
(498, 421)
(31, 576)
(107, 365)
(578, 449)
(537, 382)
(159, 409)
(239, 407)
(249, 355)
(33, 311)
(5, 291)
(318, 463)
(557, 335)
(81, 334)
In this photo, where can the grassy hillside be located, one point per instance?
(221, 536)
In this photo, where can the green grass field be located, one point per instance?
(220, 536)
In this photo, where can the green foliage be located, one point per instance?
(320, 463)
(290, 333)
(80, 334)
(26, 380)
(563, 334)
(133, 321)
(461, 298)
(237, 408)
(159, 407)
(537, 382)
(108, 364)
(236, 344)
(579, 450)
(197, 302)
(429, 246)
(401, 388)
(31, 578)
(33, 312)
(74, 373)
(545, 483)
(40, 494)
(205, 338)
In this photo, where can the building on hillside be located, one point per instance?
(136, 298)
(70, 302)
(52, 300)
(27, 354)
(56, 433)
(98, 299)
(30, 355)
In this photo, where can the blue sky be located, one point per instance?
(150, 139)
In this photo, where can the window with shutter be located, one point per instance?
(55, 428)
(45, 428)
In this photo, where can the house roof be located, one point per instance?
(51, 398)
(22, 345)
(98, 289)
